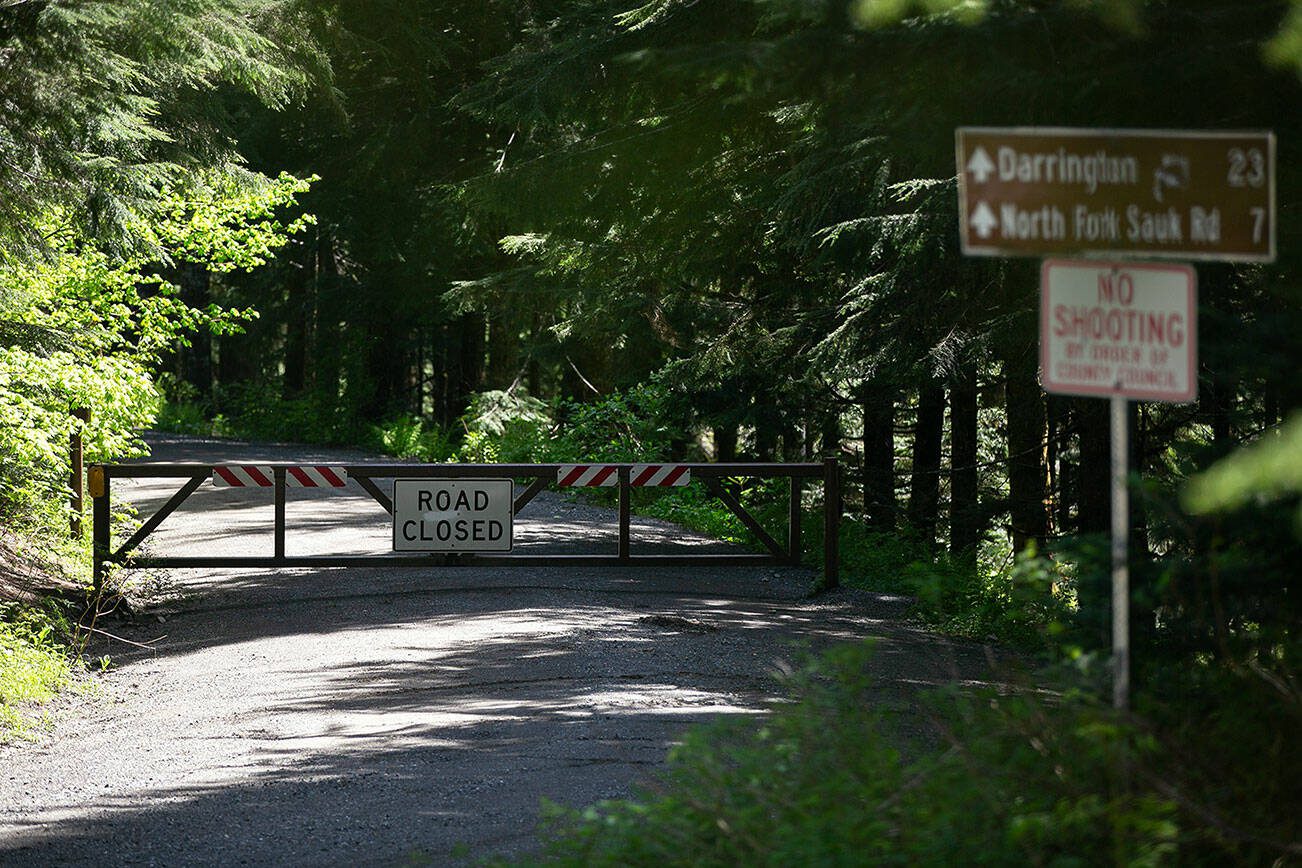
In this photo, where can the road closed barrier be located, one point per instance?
(464, 514)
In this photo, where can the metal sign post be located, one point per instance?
(1120, 553)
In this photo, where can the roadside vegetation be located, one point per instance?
(120, 185)
(35, 665)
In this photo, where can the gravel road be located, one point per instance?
(407, 715)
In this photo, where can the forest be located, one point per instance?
(712, 231)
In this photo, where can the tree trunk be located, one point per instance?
(296, 327)
(766, 440)
(1136, 419)
(1270, 401)
(533, 370)
(1094, 507)
(830, 433)
(964, 511)
(385, 366)
(454, 381)
(471, 328)
(878, 455)
(326, 356)
(1062, 490)
(195, 361)
(1052, 491)
(438, 381)
(235, 363)
(725, 443)
(1094, 515)
(1025, 406)
(1218, 405)
(793, 444)
(924, 484)
(503, 352)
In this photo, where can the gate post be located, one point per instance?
(793, 522)
(99, 535)
(81, 414)
(278, 534)
(831, 523)
(623, 513)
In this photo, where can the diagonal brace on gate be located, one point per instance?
(163, 512)
(716, 488)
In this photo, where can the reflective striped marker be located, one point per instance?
(653, 475)
(587, 475)
(243, 476)
(316, 477)
(263, 476)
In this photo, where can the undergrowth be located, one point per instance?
(44, 598)
(1014, 777)
(36, 663)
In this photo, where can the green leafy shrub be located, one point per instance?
(1024, 606)
(84, 327)
(623, 426)
(37, 394)
(257, 412)
(35, 664)
(410, 437)
(826, 780)
(478, 448)
(506, 426)
(183, 419)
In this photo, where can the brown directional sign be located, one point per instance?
(1153, 193)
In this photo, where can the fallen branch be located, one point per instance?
(146, 646)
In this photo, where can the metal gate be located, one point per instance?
(541, 476)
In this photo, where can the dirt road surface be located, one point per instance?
(406, 715)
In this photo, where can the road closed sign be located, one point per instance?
(1127, 329)
(452, 515)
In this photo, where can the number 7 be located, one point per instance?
(1258, 223)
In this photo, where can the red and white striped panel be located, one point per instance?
(659, 474)
(243, 476)
(262, 476)
(587, 475)
(316, 477)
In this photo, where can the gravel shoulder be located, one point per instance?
(392, 716)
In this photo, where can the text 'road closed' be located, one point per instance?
(452, 515)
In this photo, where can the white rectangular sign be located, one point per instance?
(452, 515)
(1119, 328)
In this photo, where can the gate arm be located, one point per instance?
(529, 493)
(157, 518)
(372, 489)
(746, 518)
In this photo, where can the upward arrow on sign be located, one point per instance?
(984, 220)
(981, 166)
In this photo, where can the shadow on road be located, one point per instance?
(369, 716)
(453, 734)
